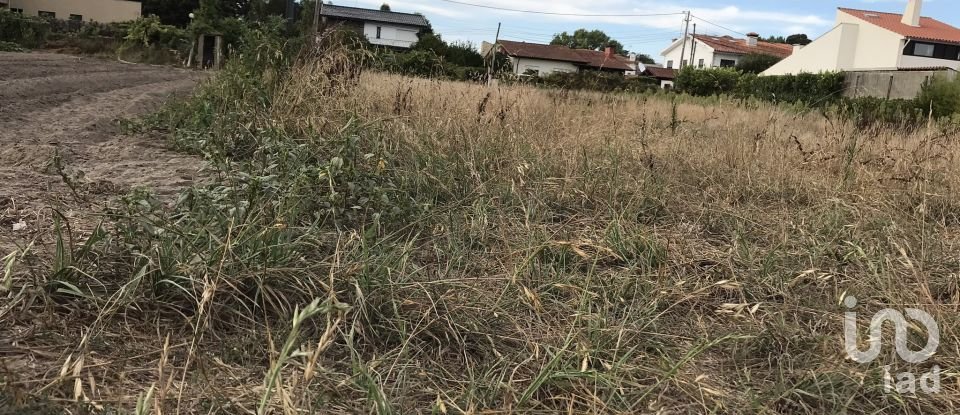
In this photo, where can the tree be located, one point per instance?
(799, 39)
(646, 59)
(384, 7)
(588, 39)
(464, 54)
(431, 42)
(756, 63)
(171, 12)
(795, 39)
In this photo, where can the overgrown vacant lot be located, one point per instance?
(384, 244)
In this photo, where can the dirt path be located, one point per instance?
(63, 105)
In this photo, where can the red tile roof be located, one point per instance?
(582, 57)
(661, 73)
(727, 44)
(930, 29)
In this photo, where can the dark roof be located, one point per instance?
(582, 57)
(727, 44)
(930, 29)
(661, 73)
(356, 13)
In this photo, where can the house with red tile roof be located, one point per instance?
(539, 59)
(705, 51)
(865, 40)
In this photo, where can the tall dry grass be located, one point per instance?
(385, 244)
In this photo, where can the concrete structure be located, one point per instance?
(104, 11)
(383, 28)
(719, 51)
(898, 84)
(866, 40)
(538, 59)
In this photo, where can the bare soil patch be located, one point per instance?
(59, 117)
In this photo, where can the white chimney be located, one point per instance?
(912, 15)
(752, 38)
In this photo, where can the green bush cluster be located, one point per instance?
(427, 64)
(941, 97)
(594, 81)
(10, 47)
(149, 32)
(30, 32)
(812, 89)
(707, 82)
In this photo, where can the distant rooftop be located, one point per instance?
(356, 13)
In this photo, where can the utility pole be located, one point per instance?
(290, 15)
(493, 55)
(686, 32)
(693, 48)
(317, 9)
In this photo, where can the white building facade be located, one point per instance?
(867, 41)
(704, 51)
(380, 27)
(385, 34)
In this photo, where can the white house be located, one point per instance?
(871, 41)
(384, 28)
(719, 51)
(539, 59)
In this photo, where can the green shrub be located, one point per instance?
(148, 31)
(756, 63)
(941, 96)
(10, 47)
(29, 32)
(706, 82)
(813, 89)
(595, 81)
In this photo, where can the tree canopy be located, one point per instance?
(177, 12)
(799, 39)
(795, 39)
(588, 39)
(644, 58)
(385, 7)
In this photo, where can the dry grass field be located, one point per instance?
(382, 244)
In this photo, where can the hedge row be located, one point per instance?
(588, 80)
(811, 89)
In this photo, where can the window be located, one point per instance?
(76, 17)
(670, 64)
(700, 64)
(683, 63)
(924, 49)
(933, 50)
(47, 15)
(378, 31)
(727, 63)
(15, 10)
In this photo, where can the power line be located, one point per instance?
(722, 27)
(558, 14)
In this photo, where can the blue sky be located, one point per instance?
(647, 35)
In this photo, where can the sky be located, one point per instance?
(642, 34)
